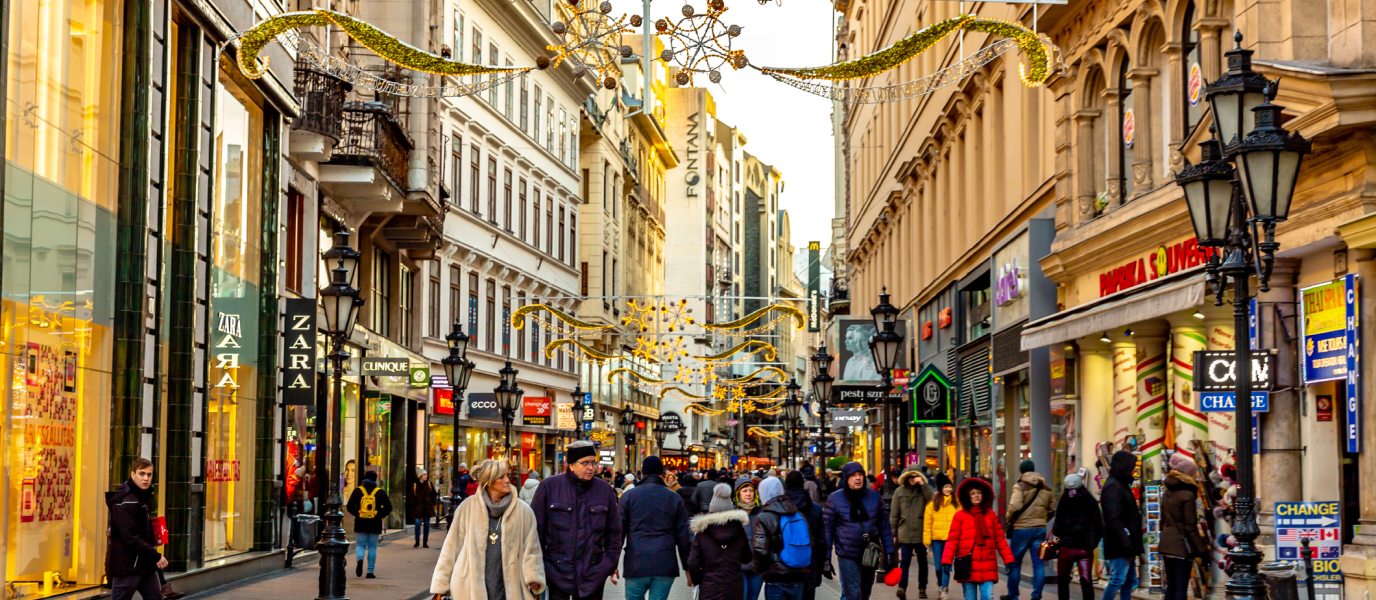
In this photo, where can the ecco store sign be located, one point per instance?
(1160, 263)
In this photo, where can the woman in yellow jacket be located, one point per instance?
(936, 525)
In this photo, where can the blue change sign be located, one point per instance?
(1321, 523)
(1227, 402)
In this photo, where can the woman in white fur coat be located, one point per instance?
(493, 552)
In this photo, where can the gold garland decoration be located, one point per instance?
(251, 42)
(518, 318)
(681, 392)
(594, 354)
(769, 350)
(698, 408)
(909, 47)
(765, 370)
(756, 431)
(634, 375)
(799, 321)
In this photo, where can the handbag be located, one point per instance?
(873, 555)
(1049, 549)
(961, 566)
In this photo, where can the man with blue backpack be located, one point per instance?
(781, 544)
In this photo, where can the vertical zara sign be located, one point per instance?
(298, 345)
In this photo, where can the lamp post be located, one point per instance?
(1267, 160)
(791, 408)
(583, 412)
(821, 390)
(340, 303)
(661, 430)
(457, 371)
(884, 349)
(627, 427)
(508, 399)
(683, 438)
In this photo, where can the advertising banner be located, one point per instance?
(298, 348)
(1325, 332)
(483, 406)
(847, 418)
(535, 411)
(1321, 523)
(444, 401)
(814, 287)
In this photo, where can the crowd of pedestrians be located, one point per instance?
(740, 535)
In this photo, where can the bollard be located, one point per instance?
(1308, 554)
(1280, 580)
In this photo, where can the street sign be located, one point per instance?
(1216, 371)
(1227, 402)
(931, 393)
(847, 418)
(862, 394)
(1321, 522)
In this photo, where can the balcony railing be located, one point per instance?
(373, 136)
(322, 101)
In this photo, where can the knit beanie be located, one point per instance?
(793, 481)
(1073, 481)
(652, 465)
(721, 499)
(940, 481)
(1184, 464)
(1027, 466)
(579, 450)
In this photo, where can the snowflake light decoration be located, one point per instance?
(592, 42)
(701, 43)
(675, 316)
(639, 316)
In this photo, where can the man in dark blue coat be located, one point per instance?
(579, 524)
(853, 517)
(656, 524)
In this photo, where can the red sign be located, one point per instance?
(444, 401)
(1129, 128)
(901, 377)
(528, 441)
(1164, 261)
(944, 318)
(1323, 408)
(536, 411)
(222, 470)
(927, 330)
(639, 424)
(1196, 84)
(160, 531)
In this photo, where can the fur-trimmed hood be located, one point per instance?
(701, 522)
(909, 474)
(970, 483)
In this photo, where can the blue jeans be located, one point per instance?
(1122, 578)
(423, 524)
(985, 589)
(657, 587)
(753, 584)
(368, 542)
(783, 591)
(1024, 540)
(856, 581)
(939, 550)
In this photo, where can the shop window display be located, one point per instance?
(232, 386)
(441, 455)
(377, 431)
(61, 140)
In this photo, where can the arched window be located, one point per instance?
(1192, 75)
(1103, 140)
(1127, 129)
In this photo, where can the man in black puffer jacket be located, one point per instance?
(132, 559)
(769, 544)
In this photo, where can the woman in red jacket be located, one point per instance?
(975, 532)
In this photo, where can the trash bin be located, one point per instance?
(1282, 580)
(305, 530)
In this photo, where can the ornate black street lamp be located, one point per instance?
(884, 349)
(682, 437)
(340, 303)
(661, 430)
(457, 371)
(1267, 160)
(509, 400)
(627, 427)
(821, 390)
(791, 407)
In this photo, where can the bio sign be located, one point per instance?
(1321, 523)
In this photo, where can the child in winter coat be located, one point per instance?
(720, 546)
(975, 532)
(936, 525)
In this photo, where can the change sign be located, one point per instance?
(1321, 522)
(1217, 371)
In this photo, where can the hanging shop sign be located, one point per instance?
(931, 393)
(670, 421)
(1163, 261)
(1321, 523)
(420, 376)
(1227, 402)
(483, 406)
(1129, 128)
(387, 367)
(847, 418)
(535, 411)
(298, 345)
(1216, 371)
(1195, 84)
(444, 401)
(862, 394)
(564, 416)
(814, 287)
(1324, 314)
(229, 343)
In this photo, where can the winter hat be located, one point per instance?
(940, 481)
(1027, 466)
(370, 475)
(1073, 481)
(793, 481)
(579, 450)
(1182, 463)
(770, 488)
(652, 465)
(721, 499)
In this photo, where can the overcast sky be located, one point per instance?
(785, 127)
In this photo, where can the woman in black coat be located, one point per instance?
(720, 547)
(1078, 527)
(1181, 542)
(421, 506)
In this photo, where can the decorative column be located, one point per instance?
(1114, 185)
(1219, 336)
(1191, 425)
(1143, 146)
(1151, 395)
(1280, 428)
(1096, 398)
(1364, 260)
(1124, 387)
(1084, 163)
(1209, 28)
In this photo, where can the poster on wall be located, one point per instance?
(855, 364)
(45, 454)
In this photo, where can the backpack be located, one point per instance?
(367, 505)
(797, 551)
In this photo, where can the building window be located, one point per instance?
(434, 300)
(1192, 84)
(477, 52)
(405, 305)
(616, 196)
(492, 190)
(535, 342)
(506, 199)
(456, 159)
(1124, 115)
(563, 131)
(382, 292)
(473, 337)
(604, 274)
(521, 197)
(573, 238)
(510, 100)
(549, 227)
(573, 153)
(583, 279)
(506, 320)
(492, 78)
(535, 130)
(455, 296)
(520, 339)
(296, 231)
(561, 234)
(606, 185)
(474, 198)
(458, 34)
(490, 325)
(535, 238)
(525, 107)
(614, 265)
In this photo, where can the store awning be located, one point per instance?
(1157, 298)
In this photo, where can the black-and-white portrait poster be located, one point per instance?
(855, 364)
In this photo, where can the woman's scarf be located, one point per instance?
(858, 514)
(495, 510)
(981, 525)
